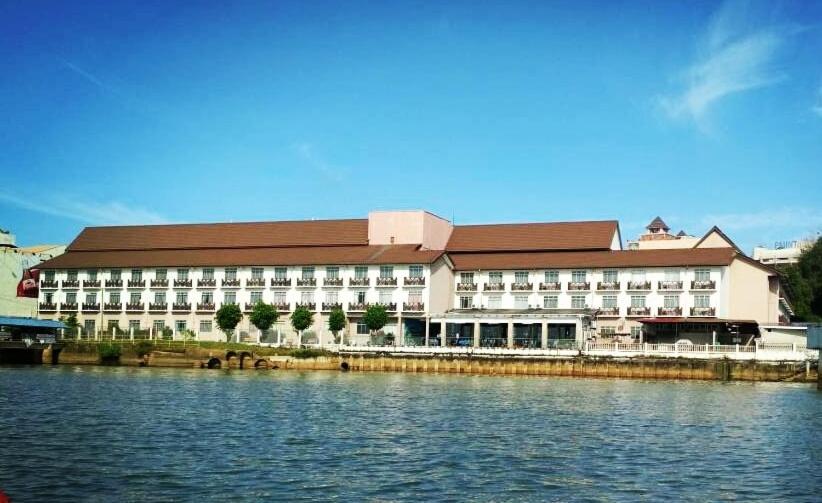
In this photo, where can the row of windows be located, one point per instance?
(89, 326)
(414, 296)
(581, 276)
(579, 301)
(331, 272)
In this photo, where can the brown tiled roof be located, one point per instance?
(201, 257)
(223, 235)
(596, 235)
(563, 260)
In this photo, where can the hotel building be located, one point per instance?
(533, 285)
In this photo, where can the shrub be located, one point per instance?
(308, 353)
(143, 348)
(109, 353)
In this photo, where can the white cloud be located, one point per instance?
(735, 58)
(309, 155)
(83, 210)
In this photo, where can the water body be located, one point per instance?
(131, 434)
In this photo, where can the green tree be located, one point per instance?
(263, 316)
(336, 322)
(375, 318)
(71, 324)
(228, 317)
(803, 283)
(301, 319)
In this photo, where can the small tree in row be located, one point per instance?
(336, 322)
(301, 319)
(228, 317)
(375, 318)
(263, 316)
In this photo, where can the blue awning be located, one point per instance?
(20, 321)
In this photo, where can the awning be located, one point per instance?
(19, 321)
(657, 321)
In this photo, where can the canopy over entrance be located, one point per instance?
(699, 330)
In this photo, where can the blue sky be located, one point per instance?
(154, 111)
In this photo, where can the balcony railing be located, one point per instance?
(330, 306)
(136, 283)
(669, 285)
(282, 307)
(496, 286)
(181, 307)
(159, 283)
(414, 281)
(231, 283)
(609, 285)
(91, 283)
(670, 311)
(522, 287)
(113, 307)
(357, 306)
(68, 306)
(386, 281)
(281, 282)
(91, 308)
(71, 283)
(205, 306)
(389, 306)
(133, 307)
(114, 283)
(413, 306)
(358, 281)
(550, 286)
(158, 307)
(639, 311)
(332, 282)
(48, 283)
(579, 285)
(703, 311)
(309, 282)
(207, 282)
(608, 311)
(703, 285)
(311, 306)
(182, 283)
(48, 306)
(639, 285)
(255, 283)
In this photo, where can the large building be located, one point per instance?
(14, 263)
(504, 285)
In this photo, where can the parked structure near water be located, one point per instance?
(534, 285)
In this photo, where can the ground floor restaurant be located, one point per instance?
(698, 330)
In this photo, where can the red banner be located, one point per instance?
(29, 285)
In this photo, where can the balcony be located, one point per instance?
(182, 283)
(230, 283)
(136, 283)
(306, 282)
(255, 283)
(181, 307)
(48, 307)
(357, 306)
(703, 285)
(669, 311)
(639, 285)
(206, 283)
(579, 285)
(91, 308)
(413, 306)
(68, 306)
(135, 307)
(206, 307)
(639, 311)
(387, 281)
(311, 306)
(496, 286)
(157, 307)
(281, 282)
(414, 281)
(551, 286)
(522, 287)
(114, 283)
(608, 311)
(703, 311)
(48, 283)
(282, 307)
(71, 283)
(333, 282)
(159, 283)
(389, 306)
(669, 285)
(91, 283)
(330, 306)
(112, 307)
(358, 282)
(609, 286)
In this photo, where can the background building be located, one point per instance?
(14, 261)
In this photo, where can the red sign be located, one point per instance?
(28, 286)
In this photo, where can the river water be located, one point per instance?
(136, 434)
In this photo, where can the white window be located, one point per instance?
(136, 275)
(332, 273)
(207, 298)
(521, 302)
(331, 297)
(386, 271)
(362, 328)
(89, 327)
(256, 273)
(49, 276)
(637, 301)
(495, 302)
(308, 273)
(578, 301)
(672, 275)
(306, 297)
(610, 276)
(360, 272)
(466, 302)
(552, 276)
(71, 276)
(521, 277)
(231, 273)
(159, 297)
(205, 326)
(158, 326)
(415, 271)
(638, 275)
(182, 297)
(48, 297)
(115, 274)
(114, 297)
(92, 274)
(702, 275)
(180, 325)
(279, 297)
(256, 297)
(386, 297)
(182, 274)
(360, 297)
(671, 301)
(280, 273)
(579, 276)
(494, 277)
(550, 302)
(135, 298)
(161, 274)
(635, 331)
(415, 296)
(230, 298)
(133, 325)
(702, 301)
(91, 298)
(607, 331)
(467, 277)
(208, 273)
(71, 298)
(609, 301)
